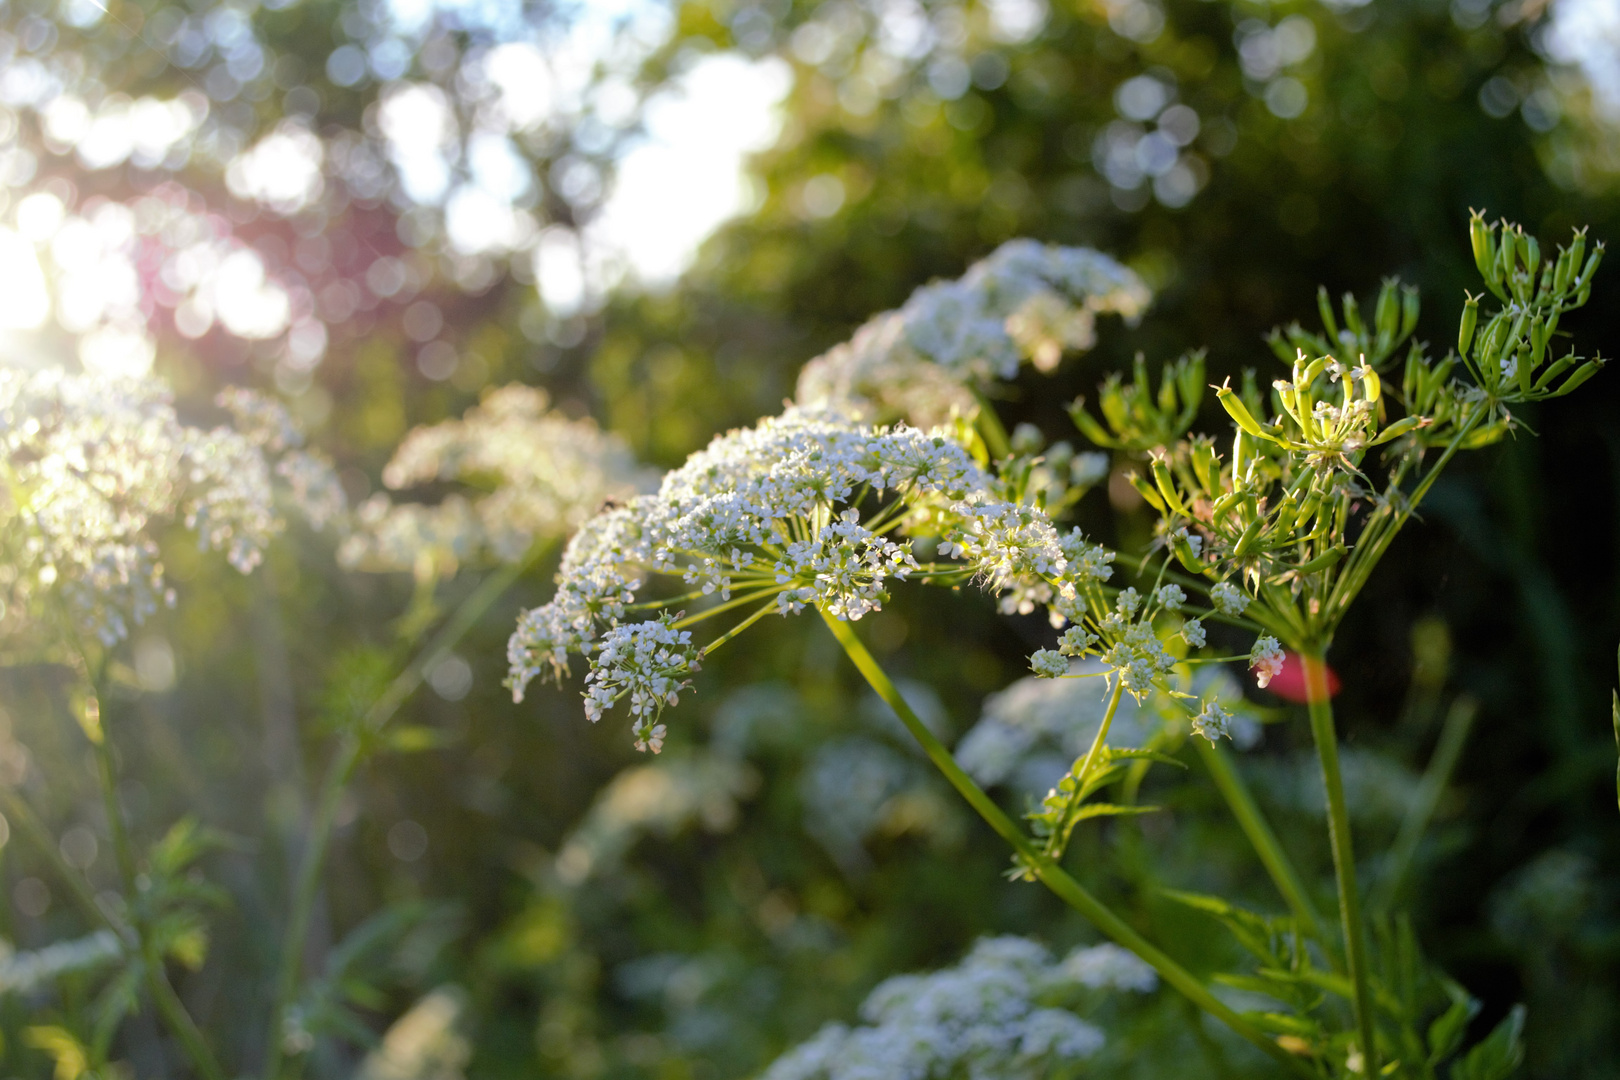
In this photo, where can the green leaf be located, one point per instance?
(1284, 1024)
(1112, 810)
(1498, 1054)
(410, 739)
(1446, 1033)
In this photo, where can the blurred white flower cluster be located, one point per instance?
(535, 472)
(1026, 301)
(96, 468)
(998, 1015)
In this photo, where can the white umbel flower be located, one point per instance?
(95, 469)
(1228, 598)
(811, 509)
(1024, 302)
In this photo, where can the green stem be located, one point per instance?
(351, 747)
(1344, 858)
(1452, 737)
(1258, 830)
(1059, 839)
(1049, 873)
(168, 1003)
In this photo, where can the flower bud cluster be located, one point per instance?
(1025, 301)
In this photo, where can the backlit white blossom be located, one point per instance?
(1024, 302)
(96, 468)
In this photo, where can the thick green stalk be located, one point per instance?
(1452, 737)
(1049, 873)
(1344, 858)
(1258, 830)
(351, 748)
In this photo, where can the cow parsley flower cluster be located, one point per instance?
(539, 474)
(1025, 301)
(96, 468)
(998, 1015)
(802, 511)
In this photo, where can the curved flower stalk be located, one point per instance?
(96, 468)
(1006, 1012)
(531, 472)
(927, 361)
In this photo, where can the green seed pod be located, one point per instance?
(1412, 376)
(1352, 317)
(1561, 271)
(1538, 340)
(1241, 452)
(1223, 506)
(1372, 387)
(1470, 316)
(1324, 306)
(1481, 237)
(1287, 514)
(1400, 427)
(1185, 556)
(1530, 252)
(1166, 483)
(1577, 249)
(1324, 561)
(1247, 539)
(1555, 369)
(1410, 307)
(1582, 373)
(1089, 427)
(1305, 378)
(1523, 369)
(1240, 413)
(1387, 312)
(1206, 466)
(1167, 393)
(1145, 489)
(1591, 267)
(1114, 408)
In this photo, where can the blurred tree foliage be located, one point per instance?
(688, 916)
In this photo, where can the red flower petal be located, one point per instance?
(1289, 683)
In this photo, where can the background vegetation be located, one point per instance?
(591, 912)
